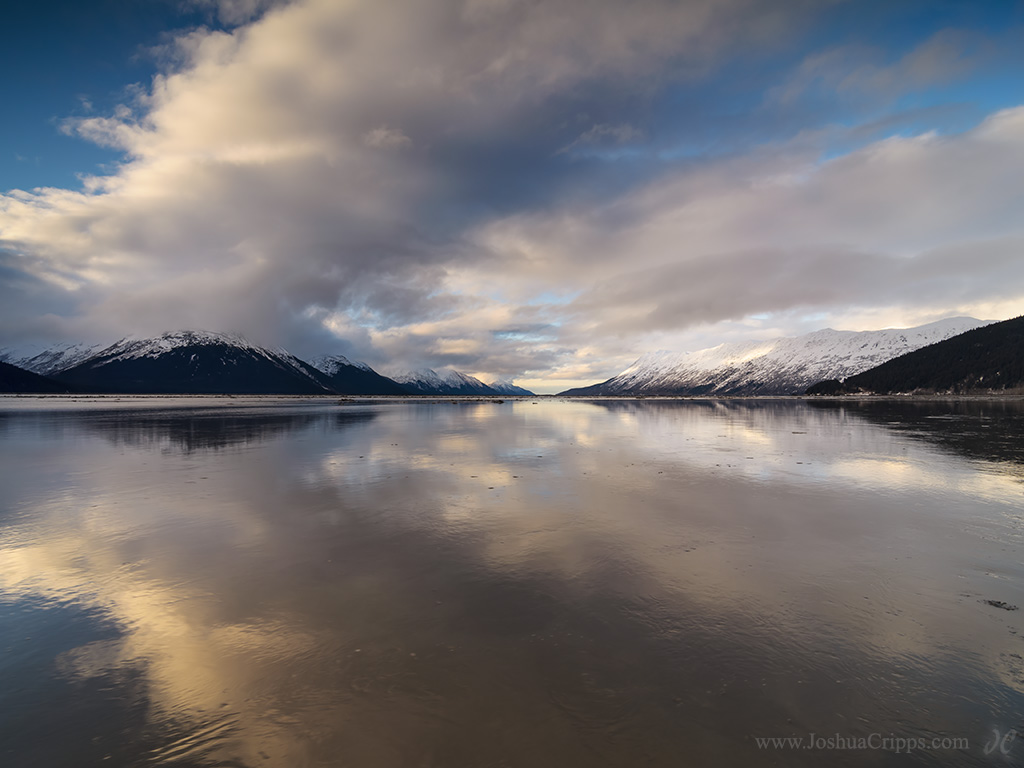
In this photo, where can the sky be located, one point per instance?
(541, 190)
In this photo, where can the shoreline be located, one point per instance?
(496, 399)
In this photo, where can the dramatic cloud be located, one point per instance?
(482, 183)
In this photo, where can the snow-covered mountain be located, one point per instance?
(132, 348)
(508, 387)
(194, 362)
(49, 360)
(986, 360)
(445, 381)
(352, 377)
(782, 366)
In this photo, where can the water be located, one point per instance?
(194, 582)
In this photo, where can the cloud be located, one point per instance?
(602, 133)
(386, 138)
(249, 194)
(920, 222)
(859, 70)
(385, 179)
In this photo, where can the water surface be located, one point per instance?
(200, 582)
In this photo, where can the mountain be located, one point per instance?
(984, 360)
(507, 387)
(445, 381)
(785, 366)
(15, 379)
(47, 361)
(349, 377)
(195, 362)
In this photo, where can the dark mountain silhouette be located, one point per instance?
(15, 379)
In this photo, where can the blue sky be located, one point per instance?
(542, 190)
(68, 59)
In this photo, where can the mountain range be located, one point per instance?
(782, 366)
(956, 355)
(202, 362)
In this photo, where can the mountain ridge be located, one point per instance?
(781, 366)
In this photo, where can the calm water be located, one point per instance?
(194, 583)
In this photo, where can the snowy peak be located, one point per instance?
(131, 348)
(509, 387)
(443, 381)
(774, 367)
(331, 364)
